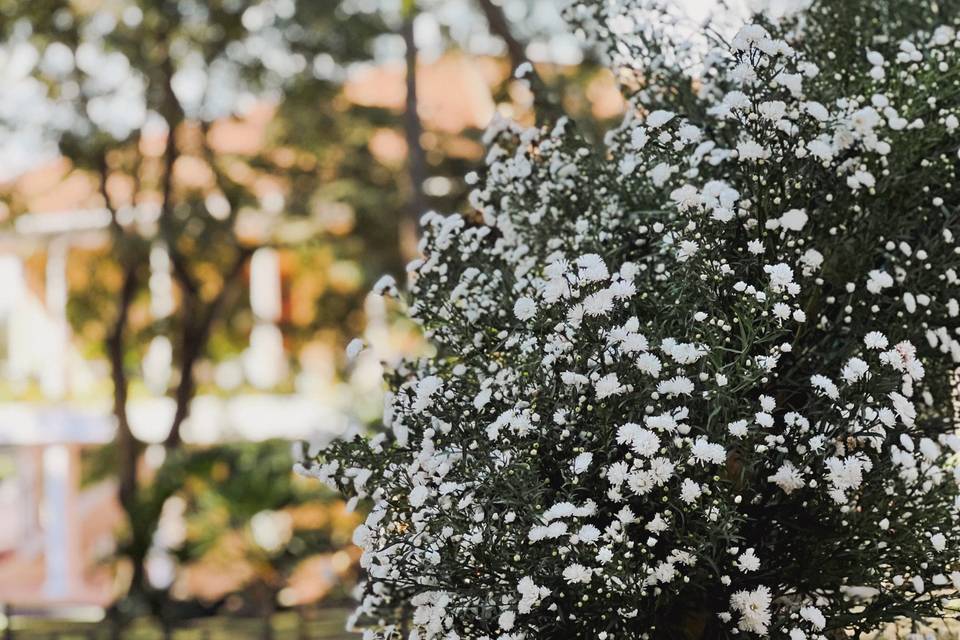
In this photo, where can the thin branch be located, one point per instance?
(173, 114)
(517, 51)
(104, 170)
(225, 183)
(195, 337)
(500, 26)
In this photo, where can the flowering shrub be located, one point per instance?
(699, 382)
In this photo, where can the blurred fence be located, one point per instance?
(312, 624)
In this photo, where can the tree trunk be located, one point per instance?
(126, 441)
(413, 128)
(128, 447)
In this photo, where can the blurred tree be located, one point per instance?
(234, 516)
(147, 92)
(212, 129)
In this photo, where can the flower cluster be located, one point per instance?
(699, 382)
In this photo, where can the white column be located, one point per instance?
(265, 293)
(53, 376)
(264, 361)
(60, 535)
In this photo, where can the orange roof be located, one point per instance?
(453, 92)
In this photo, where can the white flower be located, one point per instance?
(816, 110)
(903, 408)
(875, 340)
(599, 303)
(662, 422)
(821, 149)
(794, 219)
(506, 620)
(678, 385)
(736, 100)
(482, 398)
(686, 197)
(665, 572)
(577, 573)
(524, 308)
(661, 173)
(690, 491)
(811, 260)
(645, 443)
(854, 370)
(573, 378)
(530, 594)
(749, 150)
(878, 280)
(418, 495)
(659, 118)
(929, 449)
(865, 119)
(814, 616)
(591, 268)
(939, 541)
(582, 462)
(704, 451)
(825, 385)
(690, 133)
(781, 275)
(738, 429)
(845, 474)
(649, 364)
(683, 352)
(788, 478)
(917, 583)
(754, 609)
(688, 249)
(772, 110)
(588, 533)
(426, 388)
(363, 536)
(657, 525)
(748, 561)
(661, 470)
(861, 179)
(639, 138)
(608, 385)
(792, 81)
